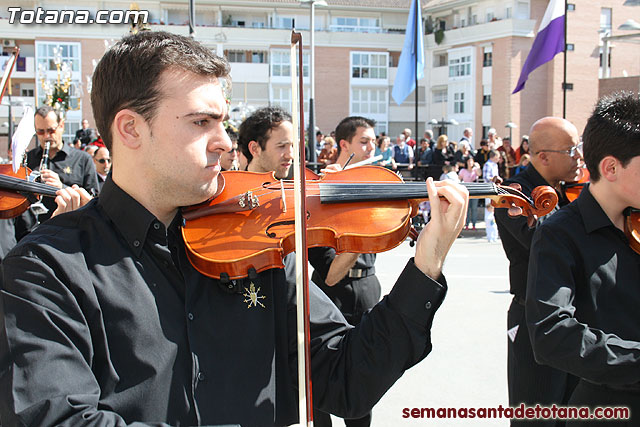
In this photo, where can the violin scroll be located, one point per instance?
(543, 200)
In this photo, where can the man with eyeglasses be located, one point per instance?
(555, 157)
(63, 166)
(102, 161)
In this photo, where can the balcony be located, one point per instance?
(482, 32)
(18, 103)
(25, 67)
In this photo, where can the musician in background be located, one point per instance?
(105, 321)
(348, 279)
(266, 140)
(583, 294)
(102, 162)
(63, 166)
(229, 161)
(555, 157)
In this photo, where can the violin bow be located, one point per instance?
(302, 273)
(11, 62)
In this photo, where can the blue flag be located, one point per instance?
(405, 81)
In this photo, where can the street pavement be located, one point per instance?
(467, 366)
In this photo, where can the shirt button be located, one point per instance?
(190, 316)
(136, 243)
(200, 376)
(428, 305)
(156, 226)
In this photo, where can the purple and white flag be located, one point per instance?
(548, 42)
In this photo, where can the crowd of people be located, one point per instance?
(105, 321)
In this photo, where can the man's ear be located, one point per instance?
(609, 168)
(129, 127)
(254, 148)
(344, 145)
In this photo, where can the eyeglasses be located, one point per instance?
(103, 161)
(47, 131)
(233, 150)
(576, 149)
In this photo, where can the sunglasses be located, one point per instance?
(47, 131)
(103, 161)
(576, 149)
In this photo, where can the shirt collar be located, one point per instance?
(130, 218)
(534, 176)
(591, 211)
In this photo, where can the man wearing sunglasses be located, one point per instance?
(63, 166)
(555, 157)
(102, 161)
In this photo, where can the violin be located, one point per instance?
(632, 228)
(572, 189)
(17, 193)
(367, 209)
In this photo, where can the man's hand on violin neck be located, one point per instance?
(71, 198)
(448, 211)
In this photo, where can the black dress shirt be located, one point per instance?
(353, 295)
(103, 322)
(583, 296)
(72, 165)
(516, 235)
(85, 135)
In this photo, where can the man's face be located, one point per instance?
(277, 155)
(564, 166)
(186, 138)
(629, 188)
(49, 130)
(102, 160)
(362, 144)
(229, 157)
(319, 137)
(85, 124)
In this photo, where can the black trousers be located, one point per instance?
(592, 395)
(530, 382)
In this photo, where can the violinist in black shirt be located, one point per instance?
(583, 293)
(103, 320)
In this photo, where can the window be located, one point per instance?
(474, 19)
(458, 103)
(507, 13)
(571, 47)
(439, 95)
(368, 102)
(360, 25)
(27, 89)
(459, 67)
(440, 60)
(368, 65)
(281, 64)
(486, 99)
(258, 58)
(487, 59)
(571, 7)
(286, 22)
(236, 56)
(69, 53)
(281, 96)
(490, 15)
(605, 18)
(522, 10)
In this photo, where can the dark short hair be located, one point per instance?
(612, 130)
(44, 111)
(348, 127)
(233, 135)
(257, 127)
(483, 142)
(128, 75)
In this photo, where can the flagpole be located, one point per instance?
(564, 74)
(415, 46)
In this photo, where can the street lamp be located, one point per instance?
(630, 24)
(312, 117)
(442, 124)
(511, 126)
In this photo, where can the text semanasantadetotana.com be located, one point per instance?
(522, 412)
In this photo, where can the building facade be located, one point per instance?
(474, 50)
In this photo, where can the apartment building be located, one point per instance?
(474, 49)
